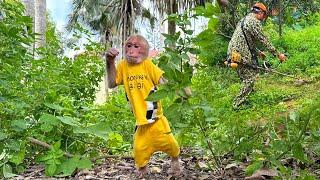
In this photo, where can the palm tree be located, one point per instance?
(36, 9)
(29, 9)
(40, 22)
(110, 18)
(167, 7)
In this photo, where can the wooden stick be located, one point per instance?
(44, 144)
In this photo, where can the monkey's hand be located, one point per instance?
(111, 54)
(184, 93)
(187, 91)
(262, 54)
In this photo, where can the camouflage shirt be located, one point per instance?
(253, 30)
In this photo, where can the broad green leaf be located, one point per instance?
(13, 145)
(100, 130)
(297, 151)
(211, 10)
(68, 167)
(84, 163)
(46, 157)
(46, 127)
(69, 120)
(56, 146)
(48, 122)
(2, 135)
(114, 139)
(212, 24)
(50, 169)
(7, 171)
(54, 106)
(184, 56)
(171, 111)
(19, 125)
(253, 167)
(158, 95)
(18, 157)
(49, 119)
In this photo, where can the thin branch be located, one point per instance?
(224, 35)
(44, 144)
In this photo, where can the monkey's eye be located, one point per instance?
(129, 45)
(136, 46)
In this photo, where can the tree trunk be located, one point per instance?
(172, 9)
(280, 18)
(40, 22)
(30, 10)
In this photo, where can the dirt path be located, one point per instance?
(123, 169)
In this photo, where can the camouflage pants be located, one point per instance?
(247, 77)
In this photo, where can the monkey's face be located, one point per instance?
(136, 51)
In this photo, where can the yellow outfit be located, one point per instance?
(153, 131)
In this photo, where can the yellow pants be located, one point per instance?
(154, 137)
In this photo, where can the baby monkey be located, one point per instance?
(140, 78)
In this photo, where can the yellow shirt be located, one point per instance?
(139, 81)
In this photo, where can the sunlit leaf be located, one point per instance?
(48, 122)
(7, 171)
(54, 106)
(253, 167)
(19, 125)
(56, 146)
(50, 169)
(69, 166)
(69, 120)
(84, 163)
(212, 24)
(18, 157)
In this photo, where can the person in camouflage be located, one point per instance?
(243, 43)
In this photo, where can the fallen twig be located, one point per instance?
(46, 145)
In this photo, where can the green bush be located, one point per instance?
(302, 49)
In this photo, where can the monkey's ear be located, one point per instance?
(153, 53)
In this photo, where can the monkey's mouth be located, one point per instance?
(132, 57)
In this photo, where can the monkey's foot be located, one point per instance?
(175, 167)
(142, 172)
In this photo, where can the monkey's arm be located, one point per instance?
(162, 80)
(111, 73)
(111, 67)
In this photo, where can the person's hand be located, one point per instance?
(111, 54)
(262, 54)
(282, 57)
